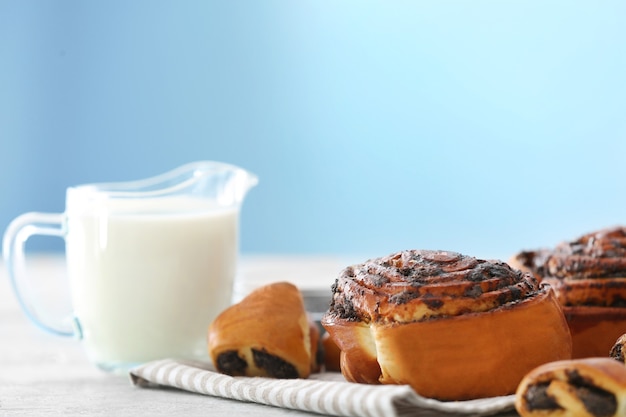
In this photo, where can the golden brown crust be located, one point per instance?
(358, 359)
(332, 354)
(589, 277)
(594, 387)
(266, 334)
(316, 344)
(594, 329)
(451, 326)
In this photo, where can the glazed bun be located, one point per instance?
(452, 326)
(589, 277)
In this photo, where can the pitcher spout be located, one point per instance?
(216, 183)
(227, 184)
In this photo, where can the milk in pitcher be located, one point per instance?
(146, 286)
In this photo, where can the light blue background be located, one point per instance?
(483, 127)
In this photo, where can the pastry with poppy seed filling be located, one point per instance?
(588, 275)
(268, 333)
(451, 326)
(588, 387)
(618, 351)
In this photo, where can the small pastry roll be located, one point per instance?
(268, 333)
(589, 278)
(618, 351)
(590, 387)
(452, 326)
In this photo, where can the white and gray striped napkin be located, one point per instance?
(324, 393)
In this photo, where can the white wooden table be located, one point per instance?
(46, 375)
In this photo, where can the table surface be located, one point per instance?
(46, 375)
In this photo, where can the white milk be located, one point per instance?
(147, 286)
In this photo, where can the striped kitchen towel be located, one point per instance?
(323, 393)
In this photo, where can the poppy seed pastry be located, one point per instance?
(588, 275)
(268, 333)
(588, 387)
(452, 326)
(618, 350)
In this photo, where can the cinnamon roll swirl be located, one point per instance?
(452, 326)
(589, 277)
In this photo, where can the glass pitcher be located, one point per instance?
(150, 262)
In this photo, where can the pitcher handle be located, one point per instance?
(15, 237)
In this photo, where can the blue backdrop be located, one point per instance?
(478, 126)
